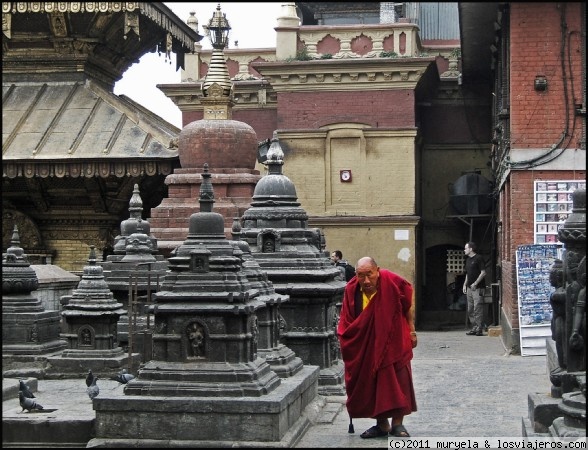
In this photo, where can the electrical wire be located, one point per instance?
(556, 151)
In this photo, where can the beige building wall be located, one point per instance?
(373, 213)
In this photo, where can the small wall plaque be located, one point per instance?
(345, 176)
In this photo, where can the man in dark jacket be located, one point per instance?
(347, 269)
(473, 287)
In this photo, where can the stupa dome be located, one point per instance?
(220, 143)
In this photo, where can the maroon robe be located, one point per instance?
(377, 349)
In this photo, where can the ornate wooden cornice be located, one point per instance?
(250, 94)
(156, 11)
(86, 169)
(344, 75)
(101, 39)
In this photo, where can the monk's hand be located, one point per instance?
(413, 339)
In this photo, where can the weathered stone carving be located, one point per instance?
(27, 328)
(558, 305)
(571, 349)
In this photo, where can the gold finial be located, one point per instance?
(217, 86)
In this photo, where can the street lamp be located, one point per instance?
(218, 29)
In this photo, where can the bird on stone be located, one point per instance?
(28, 403)
(25, 390)
(93, 390)
(89, 378)
(123, 377)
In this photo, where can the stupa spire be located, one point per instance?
(217, 86)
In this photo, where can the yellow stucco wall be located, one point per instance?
(385, 242)
(374, 213)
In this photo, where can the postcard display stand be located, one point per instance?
(533, 265)
(553, 205)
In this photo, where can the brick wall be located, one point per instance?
(299, 110)
(263, 121)
(71, 255)
(517, 203)
(538, 117)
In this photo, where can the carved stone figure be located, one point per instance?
(558, 305)
(196, 338)
(573, 357)
(269, 246)
(578, 336)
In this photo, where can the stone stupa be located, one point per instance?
(275, 227)
(91, 315)
(134, 272)
(29, 332)
(282, 359)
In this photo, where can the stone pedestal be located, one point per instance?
(54, 283)
(276, 419)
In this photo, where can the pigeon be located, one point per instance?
(25, 390)
(28, 403)
(89, 378)
(123, 377)
(93, 390)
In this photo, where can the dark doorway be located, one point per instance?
(441, 302)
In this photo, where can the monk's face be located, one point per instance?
(367, 276)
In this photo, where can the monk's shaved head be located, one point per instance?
(367, 273)
(366, 261)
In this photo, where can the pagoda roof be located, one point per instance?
(80, 122)
(60, 62)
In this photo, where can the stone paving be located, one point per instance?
(466, 386)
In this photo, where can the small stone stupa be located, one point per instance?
(206, 377)
(136, 268)
(28, 330)
(91, 315)
(228, 146)
(275, 227)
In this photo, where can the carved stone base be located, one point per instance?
(204, 379)
(543, 410)
(560, 429)
(46, 348)
(282, 360)
(331, 380)
(31, 333)
(573, 406)
(103, 363)
(273, 420)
